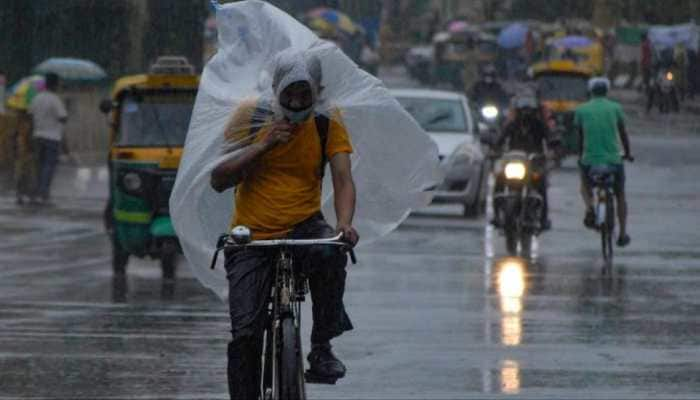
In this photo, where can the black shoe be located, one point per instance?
(589, 219)
(623, 241)
(324, 365)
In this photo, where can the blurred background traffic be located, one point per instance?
(439, 43)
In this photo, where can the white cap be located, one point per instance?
(597, 81)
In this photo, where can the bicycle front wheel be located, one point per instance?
(291, 362)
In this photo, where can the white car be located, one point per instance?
(447, 118)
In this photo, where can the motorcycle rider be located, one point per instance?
(278, 177)
(527, 130)
(488, 89)
(601, 126)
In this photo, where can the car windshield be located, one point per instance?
(155, 119)
(435, 115)
(562, 87)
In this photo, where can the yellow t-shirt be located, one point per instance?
(284, 187)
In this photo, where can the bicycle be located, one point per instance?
(603, 183)
(603, 180)
(282, 376)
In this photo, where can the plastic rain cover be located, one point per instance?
(393, 160)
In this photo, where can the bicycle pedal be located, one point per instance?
(310, 377)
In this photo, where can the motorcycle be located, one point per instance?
(518, 206)
(664, 93)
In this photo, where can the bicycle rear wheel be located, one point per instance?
(608, 229)
(291, 362)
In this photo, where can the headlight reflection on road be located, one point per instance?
(510, 377)
(511, 289)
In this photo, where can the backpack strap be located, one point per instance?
(322, 126)
(259, 117)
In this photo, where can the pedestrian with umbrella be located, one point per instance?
(19, 127)
(49, 117)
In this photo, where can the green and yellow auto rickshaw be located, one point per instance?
(562, 86)
(150, 115)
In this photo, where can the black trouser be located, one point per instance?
(250, 274)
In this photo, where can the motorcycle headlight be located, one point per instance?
(669, 76)
(489, 112)
(132, 181)
(515, 171)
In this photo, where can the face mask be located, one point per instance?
(297, 117)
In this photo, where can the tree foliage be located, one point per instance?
(98, 30)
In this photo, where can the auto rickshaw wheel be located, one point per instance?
(168, 261)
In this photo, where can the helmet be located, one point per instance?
(524, 102)
(489, 73)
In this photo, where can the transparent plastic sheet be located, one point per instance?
(393, 160)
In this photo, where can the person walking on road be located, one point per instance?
(49, 116)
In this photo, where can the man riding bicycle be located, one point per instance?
(601, 126)
(277, 175)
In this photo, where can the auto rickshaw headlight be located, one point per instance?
(132, 181)
(515, 171)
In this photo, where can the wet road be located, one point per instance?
(439, 311)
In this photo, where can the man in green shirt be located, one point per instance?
(601, 125)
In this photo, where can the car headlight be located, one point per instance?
(489, 112)
(515, 171)
(132, 181)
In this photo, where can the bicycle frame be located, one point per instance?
(284, 305)
(285, 301)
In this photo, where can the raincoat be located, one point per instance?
(393, 160)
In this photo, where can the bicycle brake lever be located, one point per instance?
(219, 246)
(353, 259)
(213, 260)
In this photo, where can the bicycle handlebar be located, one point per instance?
(331, 241)
(226, 241)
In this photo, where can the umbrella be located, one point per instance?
(335, 18)
(513, 36)
(572, 42)
(22, 93)
(457, 27)
(72, 69)
(322, 26)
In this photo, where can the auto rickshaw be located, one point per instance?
(455, 58)
(149, 118)
(562, 85)
(587, 54)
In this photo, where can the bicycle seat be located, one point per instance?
(602, 175)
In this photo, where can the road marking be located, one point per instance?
(488, 228)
